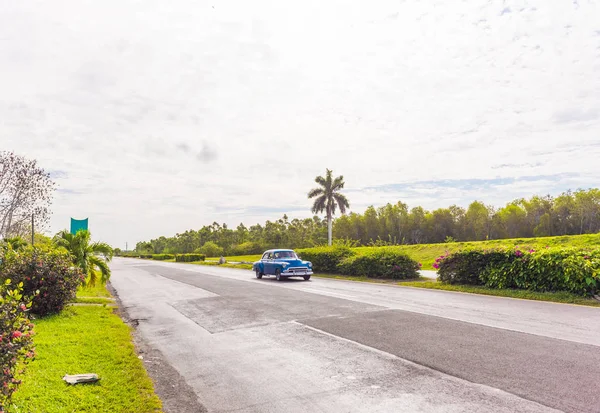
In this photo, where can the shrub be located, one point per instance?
(146, 256)
(557, 269)
(130, 255)
(210, 249)
(189, 257)
(16, 341)
(48, 276)
(162, 257)
(465, 267)
(571, 270)
(381, 263)
(326, 259)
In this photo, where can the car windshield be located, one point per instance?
(285, 254)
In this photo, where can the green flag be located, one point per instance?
(78, 225)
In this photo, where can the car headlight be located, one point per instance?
(284, 264)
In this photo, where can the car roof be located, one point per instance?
(278, 250)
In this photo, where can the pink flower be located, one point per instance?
(17, 334)
(436, 266)
(531, 251)
(518, 253)
(23, 307)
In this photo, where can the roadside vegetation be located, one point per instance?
(43, 337)
(571, 213)
(426, 254)
(85, 339)
(556, 297)
(56, 315)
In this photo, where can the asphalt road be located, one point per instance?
(247, 345)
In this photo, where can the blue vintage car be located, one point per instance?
(282, 264)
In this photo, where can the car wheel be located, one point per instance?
(306, 277)
(258, 274)
(278, 276)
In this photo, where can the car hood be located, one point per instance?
(293, 262)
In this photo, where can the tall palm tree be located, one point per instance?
(91, 257)
(328, 198)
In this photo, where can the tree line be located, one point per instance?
(393, 224)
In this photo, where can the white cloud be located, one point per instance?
(170, 115)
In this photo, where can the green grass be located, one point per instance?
(369, 280)
(239, 258)
(427, 253)
(88, 339)
(226, 265)
(97, 290)
(94, 300)
(557, 297)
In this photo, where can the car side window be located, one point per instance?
(265, 256)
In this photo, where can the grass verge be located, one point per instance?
(94, 300)
(556, 297)
(226, 265)
(88, 339)
(239, 258)
(97, 290)
(370, 280)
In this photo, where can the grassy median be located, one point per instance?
(556, 297)
(85, 339)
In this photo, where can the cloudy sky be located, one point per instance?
(159, 116)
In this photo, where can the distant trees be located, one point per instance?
(210, 249)
(25, 190)
(567, 214)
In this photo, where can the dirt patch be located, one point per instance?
(176, 395)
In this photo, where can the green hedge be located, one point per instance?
(162, 257)
(326, 259)
(146, 256)
(552, 269)
(376, 263)
(381, 263)
(465, 267)
(189, 257)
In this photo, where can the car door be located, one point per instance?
(267, 261)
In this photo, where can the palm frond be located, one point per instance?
(338, 183)
(321, 181)
(102, 266)
(342, 202)
(315, 192)
(63, 239)
(91, 279)
(319, 204)
(328, 178)
(102, 248)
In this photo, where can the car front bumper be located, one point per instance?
(298, 272)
